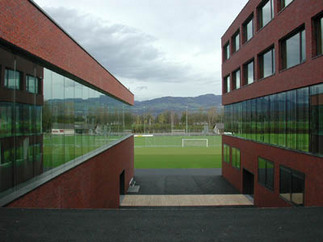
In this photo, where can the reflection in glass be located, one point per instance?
(267, 64)
(290, 119)
(266, 13)
(12, 79)
(50, 120)
(248, 30)
(293, 50)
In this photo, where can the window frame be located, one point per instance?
(234, 47)
(6, 79)
(226, 51)
(227, 84)
(292, 174)
(37, 82)
(301, 46)
(260, 18)
(283, 4)
(236, 158)
(245, 73)
(234, 80)
(226, 148)
(261, 73)
(245, 29)
(266, 184)
(318, 35)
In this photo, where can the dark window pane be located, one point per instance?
(285, 183)
(297, 192)
(270, 175)
(303, 119)
(292, 51)
(262, 171)
(316, 129)
(291, 119)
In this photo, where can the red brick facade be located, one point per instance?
(93, 184)
(298, 13)
(25, 26)
(96, 182)
(305, 74)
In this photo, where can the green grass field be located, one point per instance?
(159, 152)
(150, 152)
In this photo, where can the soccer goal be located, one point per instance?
(195, 143)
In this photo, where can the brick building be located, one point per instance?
(273, 97)
(48, 83)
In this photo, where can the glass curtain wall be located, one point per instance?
(78, 119)
(47, 120)
(292, 119)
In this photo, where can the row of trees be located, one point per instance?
(190, 121)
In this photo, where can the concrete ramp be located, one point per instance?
(185, 200)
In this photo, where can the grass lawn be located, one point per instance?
(166, 152)
(150, 152)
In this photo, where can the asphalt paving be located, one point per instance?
(182, 181)
(211, 224)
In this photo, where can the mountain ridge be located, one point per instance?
(178, 104)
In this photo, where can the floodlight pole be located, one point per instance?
(186, 122)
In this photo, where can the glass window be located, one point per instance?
(292, 185)
(236, 79)
(235, 157)
(290, 119)
(226, 153)
(236, 42)
(266, 13)
(12, 79)
(316, 129)
(249, 73)
(266, 173)
(227, 84)
(32, 84)
(248, 31)
(285, 3)
(293, 50)
(226, 51)
(302, 113)
(318, 28)
(267, 63)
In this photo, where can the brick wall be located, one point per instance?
(311, 166)
(25, 26)
(93, 184)
(297, 13)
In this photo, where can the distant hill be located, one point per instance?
(178, 104)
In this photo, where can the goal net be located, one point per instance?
(195, 143)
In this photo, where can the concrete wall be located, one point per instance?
(93, 184)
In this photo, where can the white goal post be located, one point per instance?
(195, 142)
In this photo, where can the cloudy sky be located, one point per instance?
(154, 47)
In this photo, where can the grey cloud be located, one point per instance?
(124, 51)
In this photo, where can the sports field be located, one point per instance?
(167, 152)
(150, 152)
